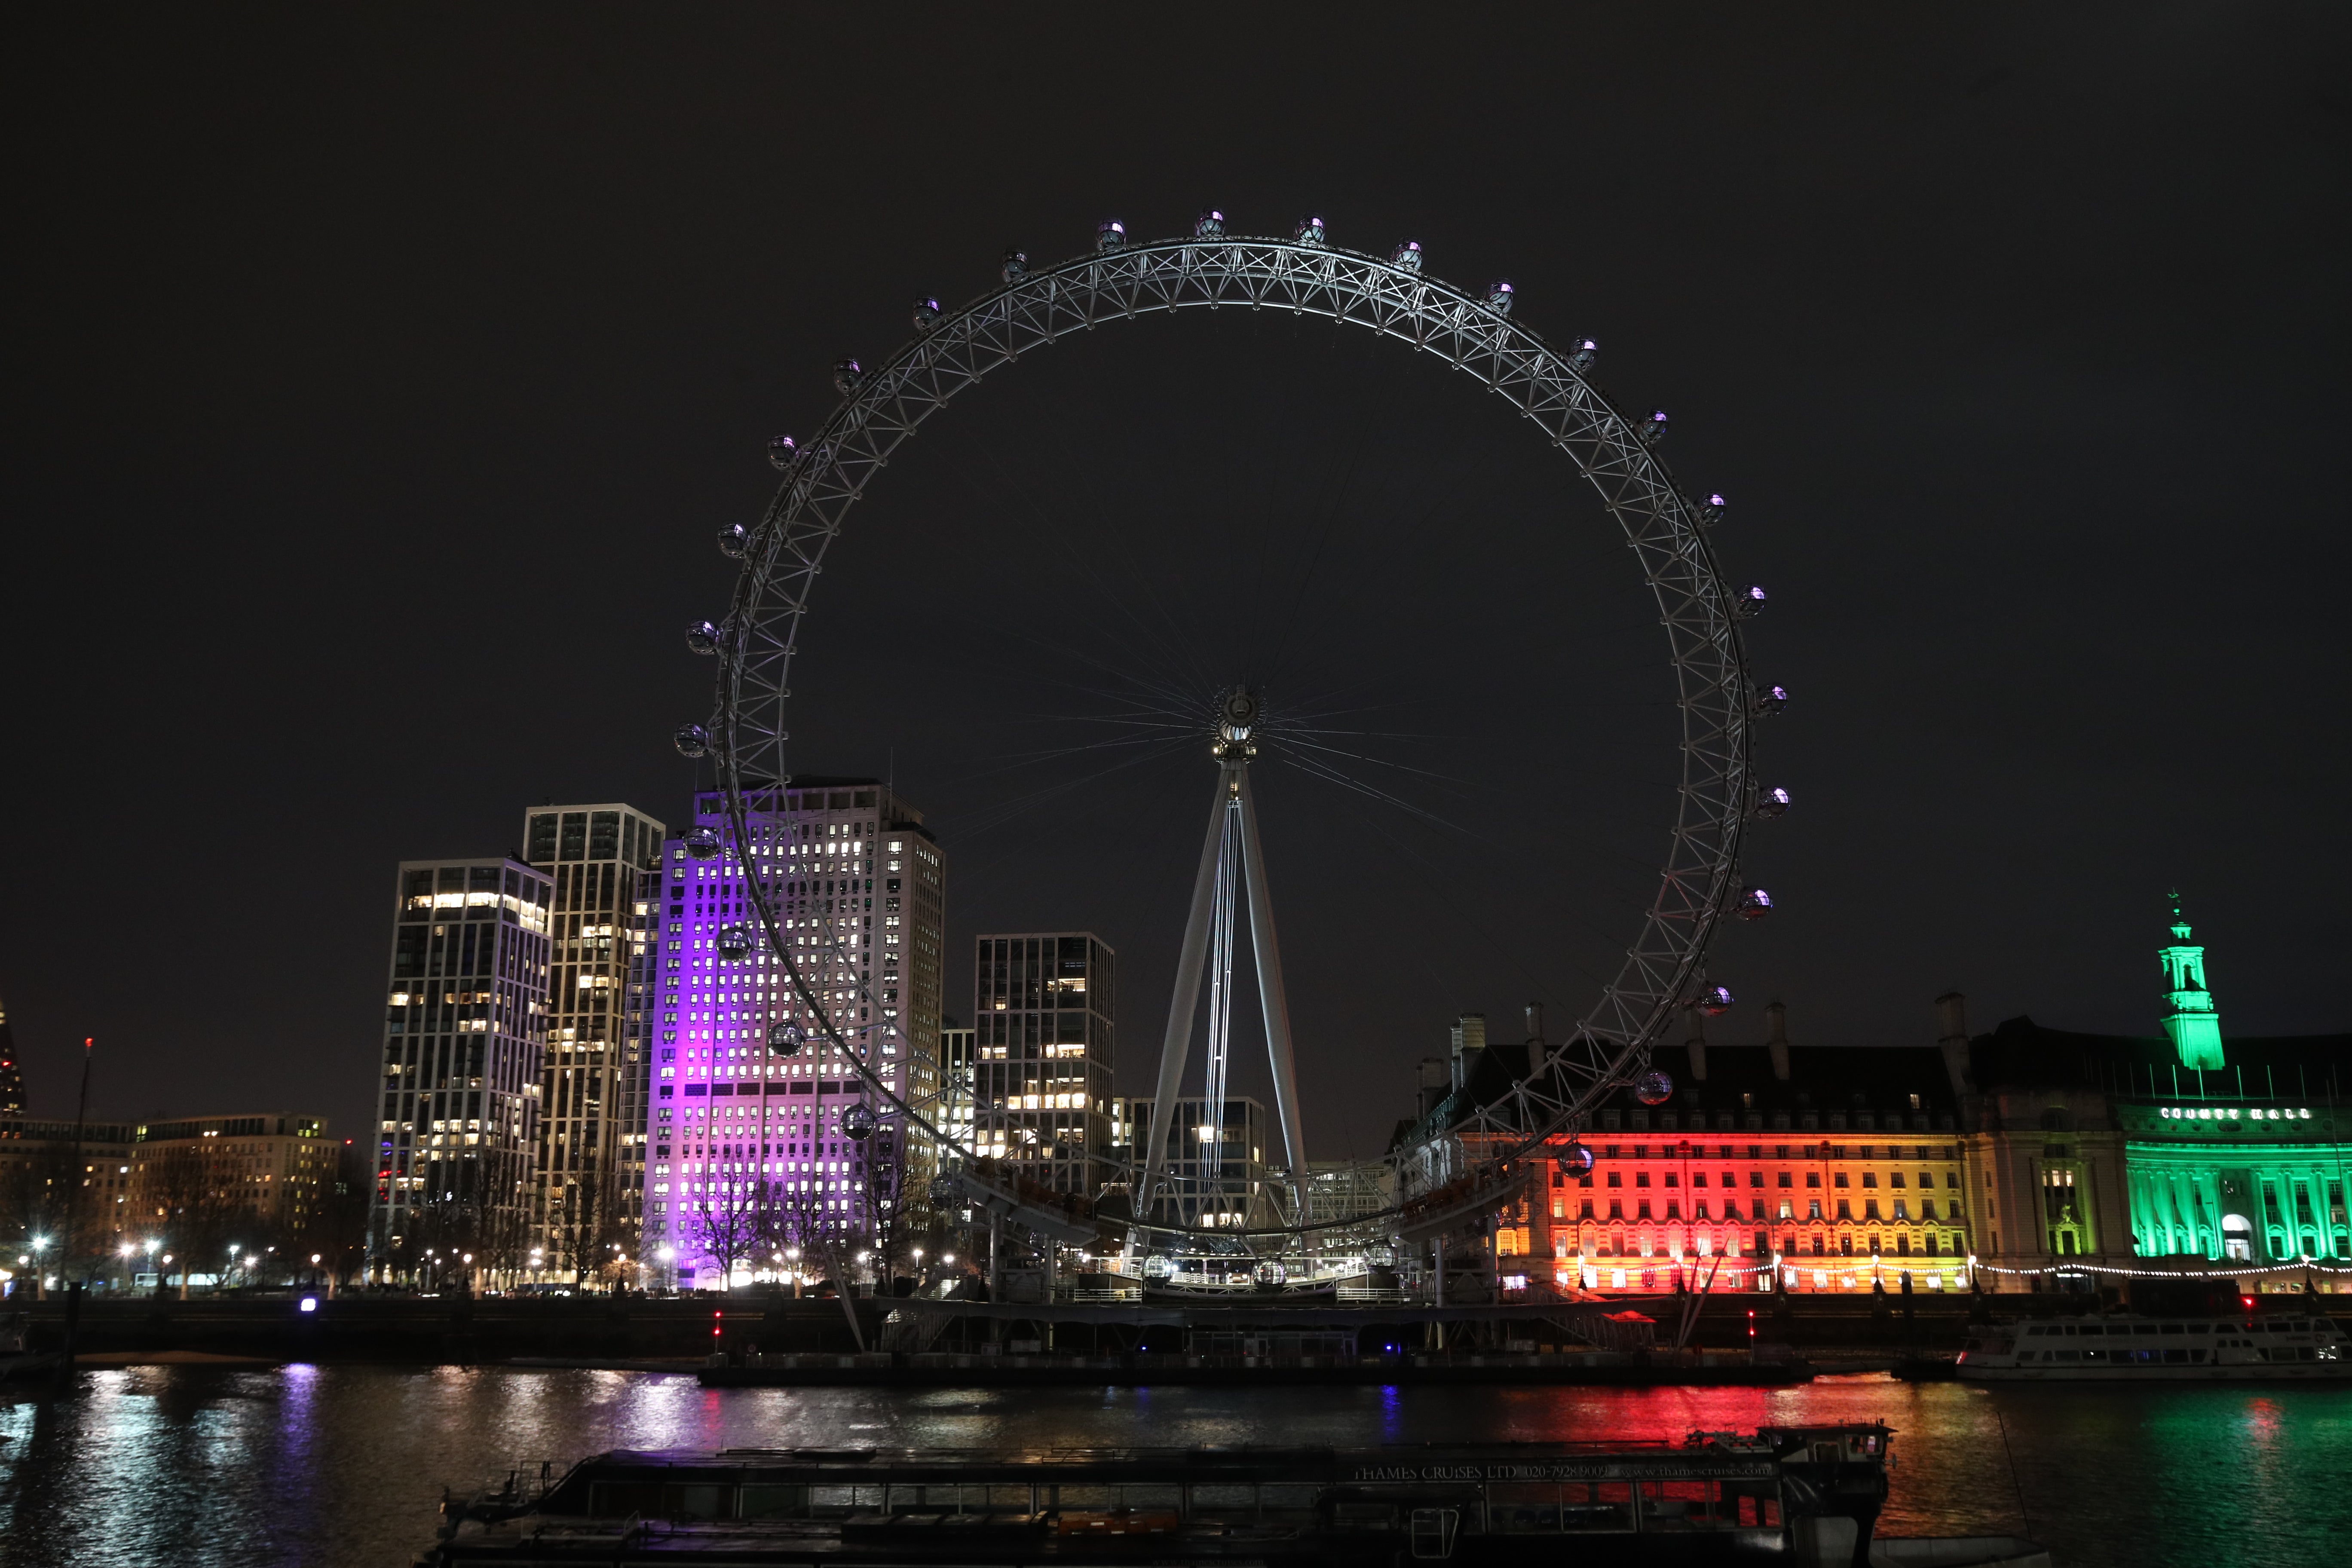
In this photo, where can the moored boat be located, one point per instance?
(1801, 1497)
(2132, 1348)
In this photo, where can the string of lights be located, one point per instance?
(2311, 1265)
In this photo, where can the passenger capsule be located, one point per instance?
(1715, 1000)
(1772, 803)
(1576, 1160)
(702, 843)
(693, 741)
(781, 450)
(1406, 258)
(1653, 429)
(847, 376)
(1270, 1274)
(1158, 1267)
(1209, 224)
(947, 1192)
(1110, 235)
(1582, 352)
(734, 942)
(857, 1123)
(927, 314)
(1016, 265)
(1309, 231)
(702, 638)
(1772, 700)
(786, 1038)
(1710, 512)
(1755, 905)
(1747, 601)
(1654, 1088)
(1498, 295)
(733, 540)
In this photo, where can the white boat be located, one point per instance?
(2130, 1348)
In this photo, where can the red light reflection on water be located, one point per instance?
(1589, 1415)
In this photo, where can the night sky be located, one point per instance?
(382, 379)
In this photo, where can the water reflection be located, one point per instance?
(306, 1465)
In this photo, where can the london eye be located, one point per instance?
(1463, 1155)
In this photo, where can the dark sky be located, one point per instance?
(382, 377)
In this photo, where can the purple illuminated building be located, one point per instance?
(752, 1154)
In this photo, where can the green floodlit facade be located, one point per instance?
(2197, 1154)
(2218, 1172)
(2240, 1196)
(2221, 1173)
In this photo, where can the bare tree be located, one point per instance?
(583, 1226)
(195, 1205)
(616, 1237)
(730, 1225)
(339, 1232)
(37, 1200)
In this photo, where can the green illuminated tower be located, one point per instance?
(2192, 1020)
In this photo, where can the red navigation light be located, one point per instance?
(1751, 1322)
(715, 1319)
(2247, 1302)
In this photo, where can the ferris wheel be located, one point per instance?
(1613, 451)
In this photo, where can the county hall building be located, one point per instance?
(2028, 1159)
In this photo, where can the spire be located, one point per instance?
(11, 1077)
(2190, 1019)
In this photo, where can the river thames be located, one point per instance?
(172, 1464)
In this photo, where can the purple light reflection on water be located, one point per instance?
(344, 1464)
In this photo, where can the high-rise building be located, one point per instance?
(12, 1076)
(750, 1149)
(953, 1116)
(1217, 1182)
(637, 1084)
(588, 1192)
(1043, 1049)
(464, 1038)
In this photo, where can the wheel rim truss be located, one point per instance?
(886, 406)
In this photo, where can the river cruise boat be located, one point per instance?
(2128, 1348)
(1797, 1497)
